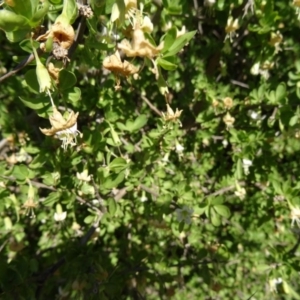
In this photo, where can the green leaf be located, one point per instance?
(21, 172)
(17, 36)
(222, 210)
(72, 95)
(70, 10)
(165, 64)
(139, 122)
(9, 21)
(87, 189)
(32, 81)
(26, 45)
(41, 12)
(293, 120)
(25, 8)
(67, 79)
(37, 162)
(56, 2)
(118, 164)
(239, 170)
(179, 43)
(214, 218)
(169, 38)
(115, 140)
(162, 84)
(112, 206)
(280, 92)
(48, 179)
(89, 219)
(37, 103)
(52, 198)
(181, 226)
(113, 180)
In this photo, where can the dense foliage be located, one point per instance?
(149, 149)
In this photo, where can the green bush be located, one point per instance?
(149, 150)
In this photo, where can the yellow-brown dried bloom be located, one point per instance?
(139, 46)
(63, 129)
(115, 65)
(296, 3)
(53, 71)
(228, 102)
(171, 116)
(62, 33)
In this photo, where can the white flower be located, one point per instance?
(60, 216)
(254, 115)
(143, 198)
(225, 143)
(246, 164)
(179, 148)
(184, 214)
(295, 216)
(68, 136)
(255, 70)
(147, 25)
(240, 192)
(273, 284)
(84, 176)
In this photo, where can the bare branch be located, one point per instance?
(151, 105)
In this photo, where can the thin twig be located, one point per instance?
(148, 190)
(19, 67)
(151, 105)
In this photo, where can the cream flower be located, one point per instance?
(83, 176)
(147, 25)
(295, 216)
(228, 120)
(240, 192)
(179, 148)
(61, 216)
(231, 28)
(247, 163)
